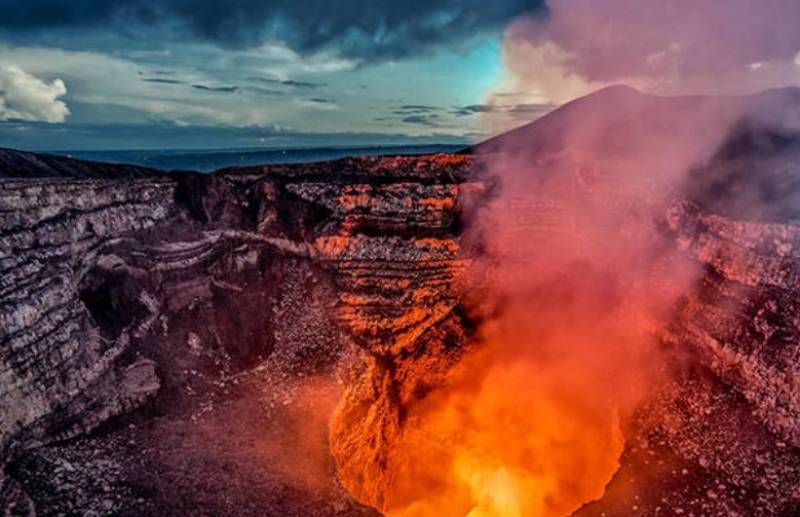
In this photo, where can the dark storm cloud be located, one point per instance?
(288, 82)
(473, 109)
(421, 120)
(371, 30)
(201, 87)
(415, 109)
(518, 110)
(222, 89)
(162, 81)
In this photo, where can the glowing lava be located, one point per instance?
(505, 441)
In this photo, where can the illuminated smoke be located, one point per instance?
(579, 273)
(580, 269)
(672, 46)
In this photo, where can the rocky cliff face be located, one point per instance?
(111, 286)
(721, 437)
(115, 290)
(62, 338)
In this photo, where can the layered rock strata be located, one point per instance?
(112, 287)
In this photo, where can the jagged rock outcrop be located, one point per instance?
(743, 316)
(58, 360)
(111, 288)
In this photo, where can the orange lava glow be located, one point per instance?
(509, 442)
(530, 423)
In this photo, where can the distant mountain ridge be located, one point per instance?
(619, 107)
(753, 174)
(750, 145)
(23, 164)
(209, 160)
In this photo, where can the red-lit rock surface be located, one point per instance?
(721, 437)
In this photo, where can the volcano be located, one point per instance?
(324, 339)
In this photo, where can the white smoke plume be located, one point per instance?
(671, 46)
(581, 270)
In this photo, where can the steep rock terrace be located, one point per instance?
(116, 292)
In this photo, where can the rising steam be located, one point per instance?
(580, 267)
(670, 47)
(580, 273)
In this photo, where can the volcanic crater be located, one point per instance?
(392, 335)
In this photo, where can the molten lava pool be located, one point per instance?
(505, 441)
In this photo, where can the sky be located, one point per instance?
(204, 74)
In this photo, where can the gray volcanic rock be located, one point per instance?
(114, 290)
(58, 361)
(744, 315)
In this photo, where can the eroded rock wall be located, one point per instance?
(57, 363)
(111, 289)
